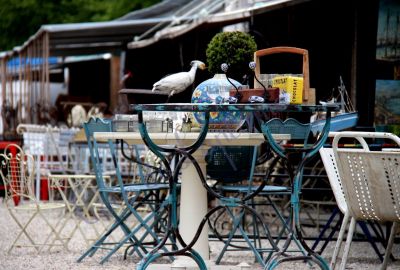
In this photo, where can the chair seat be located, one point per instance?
(137, 188)
(41, 206)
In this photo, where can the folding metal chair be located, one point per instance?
(370, 182)
(134, 195)
(37, 229)
(81, 197)
(231, 167)
(295, 154)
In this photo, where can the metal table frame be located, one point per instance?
(186, 153)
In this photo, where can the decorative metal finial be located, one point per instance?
(252, 66)
(224, 67)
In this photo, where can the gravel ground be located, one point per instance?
(361, 254)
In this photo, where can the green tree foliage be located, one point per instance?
(20, 19)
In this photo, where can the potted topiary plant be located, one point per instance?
(235, 49)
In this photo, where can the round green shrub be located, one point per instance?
(234, 48)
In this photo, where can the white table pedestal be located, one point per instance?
(193, 211)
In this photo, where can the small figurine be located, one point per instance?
(178, 82)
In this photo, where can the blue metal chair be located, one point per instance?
(295, 154)
(133, 195)
(233, 168)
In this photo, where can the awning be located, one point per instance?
(166, 20)
(18, 63)
(209, 15)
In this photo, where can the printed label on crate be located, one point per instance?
(291, 85)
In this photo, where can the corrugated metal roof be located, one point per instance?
(101, 37)
(163, 9)
(168, 19)
(205, 16)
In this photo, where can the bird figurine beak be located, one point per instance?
(202, 66)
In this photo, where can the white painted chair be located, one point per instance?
(30, 214)
(369, 187)
(50, 148)
(330, 165)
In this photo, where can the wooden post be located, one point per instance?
(115, 71)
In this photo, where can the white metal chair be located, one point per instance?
(81, 197)
(30, 214)
(50, 147)
(370, 185)
(330, 165)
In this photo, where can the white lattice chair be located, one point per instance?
(50, 147)
(33, 217)
(370, 184)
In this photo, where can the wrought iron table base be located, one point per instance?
(186, 153)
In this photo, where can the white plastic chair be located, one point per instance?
(369, 187)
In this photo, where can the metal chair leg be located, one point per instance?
(325, 228)
(348, 243)
(389, 245)
(339, 240)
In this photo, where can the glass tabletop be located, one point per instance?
(259, 107)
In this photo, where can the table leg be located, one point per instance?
(194, 206)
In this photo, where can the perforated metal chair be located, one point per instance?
(370, 182)
(134, 195)
(331, 169)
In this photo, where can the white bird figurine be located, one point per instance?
(178, 82)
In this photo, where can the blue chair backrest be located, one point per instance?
(229, 164)
(95, 124)
(91, 126)
(297, 130)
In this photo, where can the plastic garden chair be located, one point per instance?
(31, 215)
(134, 195)
(370, 183)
